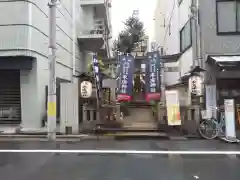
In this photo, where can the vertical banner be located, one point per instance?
(126, 77)
(152, 78)
(229, 118)
(118, 73)
(173, 108)
(96, 72)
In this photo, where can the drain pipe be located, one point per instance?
(73, 39)
(195, 14)
(199, 57)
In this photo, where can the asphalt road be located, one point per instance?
(55, 166)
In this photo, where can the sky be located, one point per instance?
(122, 9)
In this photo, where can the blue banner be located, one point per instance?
(152, 78)
(126, 77)
(96, 72)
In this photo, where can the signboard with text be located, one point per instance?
(195, 85)
(173, 108)
(152, 78)
(230, 118)
(126, 77)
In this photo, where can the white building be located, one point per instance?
(24, 30)
(202, 33)
(173, 34)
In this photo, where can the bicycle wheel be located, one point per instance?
(208, 129)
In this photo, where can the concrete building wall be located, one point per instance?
(171, 35)
(183, 13)
(25, 32)
(176, 16)
(159, 22)
(212, 43)
(185, 61)
(171, 73)
(13, 20)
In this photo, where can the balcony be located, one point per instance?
(93, 39)
(100, 9)
(92, 2)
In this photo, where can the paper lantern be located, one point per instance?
(86, 89)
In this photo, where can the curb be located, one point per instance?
(140, 136)
(59, 138)
(80, 137)
(232, 141)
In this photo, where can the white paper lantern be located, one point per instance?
(86, 89)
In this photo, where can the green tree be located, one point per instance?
(101, 66)
(132, 34)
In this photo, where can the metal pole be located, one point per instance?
(52, 77)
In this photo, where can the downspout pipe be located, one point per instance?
(198, 55)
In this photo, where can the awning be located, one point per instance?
(16, 62)
(194, 71)
(177, 85)
(225, 61)
(226, 58)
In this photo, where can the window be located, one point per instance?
(228, 16)
(171, 69)
(162, 51)
(186, 37)
(169, 30)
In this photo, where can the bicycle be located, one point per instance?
(210, 127)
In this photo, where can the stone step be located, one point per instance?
(141, 125)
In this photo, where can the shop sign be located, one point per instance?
(173, 108)
(229, 118)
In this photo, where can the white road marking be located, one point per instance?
(119, 151)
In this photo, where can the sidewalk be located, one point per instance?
(15, 133)
(11, 133)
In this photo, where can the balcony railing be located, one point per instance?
(92, 2)
(97, 29)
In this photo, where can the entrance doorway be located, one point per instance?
(230, 89)
(10, 97)
(139, 87)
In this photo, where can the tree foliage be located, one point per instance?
(101, 66)
(132, 34)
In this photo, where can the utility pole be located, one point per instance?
(51, 107)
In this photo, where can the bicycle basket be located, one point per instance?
(206, 114)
